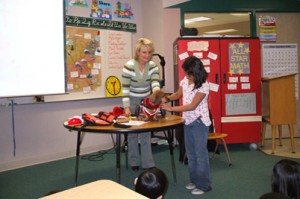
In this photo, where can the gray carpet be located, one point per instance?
(248, 178)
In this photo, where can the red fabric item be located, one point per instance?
(117, 111)
(74, 120)
(106, 116)
(93, 120)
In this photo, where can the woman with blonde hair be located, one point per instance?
(140, 78)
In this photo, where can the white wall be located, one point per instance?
(39, 132)
(167, 3)
(171, 18)
(40, 135)
(162, 27)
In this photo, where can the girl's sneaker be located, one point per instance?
(197, 191)
(190, 186)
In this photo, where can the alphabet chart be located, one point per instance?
(280, 59)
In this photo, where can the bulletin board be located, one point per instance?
(280, 59)
(95, 58)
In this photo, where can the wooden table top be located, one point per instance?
(163, 123)
(99, 189)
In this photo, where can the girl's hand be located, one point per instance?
(166, 107)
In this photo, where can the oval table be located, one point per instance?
(166, 124)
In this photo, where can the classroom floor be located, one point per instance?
(249, 177)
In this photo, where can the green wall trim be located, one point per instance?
(240, 6)
(252, 6)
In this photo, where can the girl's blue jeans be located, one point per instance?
(195, 136)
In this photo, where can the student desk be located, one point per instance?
(99, 189)
(168, 123)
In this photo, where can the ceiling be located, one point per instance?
(237, 21)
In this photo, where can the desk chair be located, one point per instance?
(266, 120)
(220, 138)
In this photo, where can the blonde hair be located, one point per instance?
(143, 42)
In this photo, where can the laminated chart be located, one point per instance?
(280, 59)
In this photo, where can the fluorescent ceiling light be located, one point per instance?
(196, 19)
(240, 14)
(221, 31)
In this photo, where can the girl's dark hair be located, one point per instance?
(273, 195)
(194, 67)
(152, 183)
(286, 178)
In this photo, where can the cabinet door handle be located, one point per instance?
(224, 78)
(217, 78)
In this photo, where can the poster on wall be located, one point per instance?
(79, 3)
(267, 29)
(101, 10)
(280, 59)
(239, 58)
(240, 103)
(123, 10)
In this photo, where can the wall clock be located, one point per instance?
(113, 86)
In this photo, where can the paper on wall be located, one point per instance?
(213, 87)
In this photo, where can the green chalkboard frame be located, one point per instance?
(98, 23)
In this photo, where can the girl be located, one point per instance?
(152, 183)
(194, 90)
(286, 178)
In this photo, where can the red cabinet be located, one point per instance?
(234, 69)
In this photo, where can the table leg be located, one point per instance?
(280, 134)
(118, 156)
(126, 150)
(273, 127)
(77, 156)
(291, 130)
(170, 138)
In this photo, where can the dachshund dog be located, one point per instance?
(150, 106)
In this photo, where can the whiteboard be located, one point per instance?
(32, 48)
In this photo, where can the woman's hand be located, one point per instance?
(127, 111)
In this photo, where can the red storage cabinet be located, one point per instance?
(234, 73)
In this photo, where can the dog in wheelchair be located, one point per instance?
(150, 106)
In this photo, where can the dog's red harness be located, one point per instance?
(150, 105)
(147, 105)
